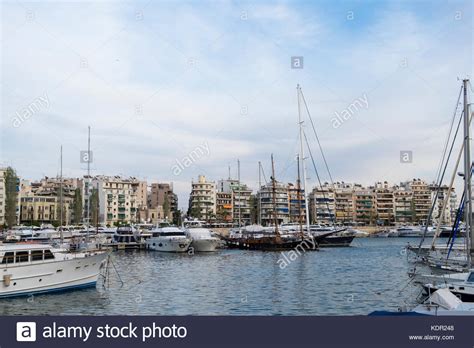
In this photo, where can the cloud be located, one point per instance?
(155, 81)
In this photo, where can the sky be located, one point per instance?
(160, 82)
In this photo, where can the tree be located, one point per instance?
(177, 218)
(166, 207)
(253, 202)
(77, 206)
(94, 207)
(11, 196)
(60, 208)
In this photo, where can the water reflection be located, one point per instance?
(344, 281)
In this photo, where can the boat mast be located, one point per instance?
(298, 195)
(239, 193)
(467, 179)
(275, 216)
(259, 193)
(61, 198)
(298, 92)
(88, 177)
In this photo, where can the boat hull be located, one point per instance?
(44, 277)
(269, 244)
(205, 245)
(336, 241)
(168, 245)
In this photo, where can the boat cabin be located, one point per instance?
(168, 232)
(126, 234)
(22, 254)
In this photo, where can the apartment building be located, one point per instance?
(161, 193)
(240, 194)
(344, 204)
(202, 201)
(384, 203)
(297, 203)
(40, 202)
(274, 203)
(323, 204)
(224, 207)
(421, 200)
(364, 206)
(120, 198)
(403, 205)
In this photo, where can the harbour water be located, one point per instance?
(370, 275)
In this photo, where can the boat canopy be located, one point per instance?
(445, 299)
(200, 232)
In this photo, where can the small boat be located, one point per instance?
(169, 239)
(443, 302)
(37, 268)
(412, 231)
(440, 303)
(381, 234)
(461, 285)
(202, 239)
(337, 238)
(126, 234)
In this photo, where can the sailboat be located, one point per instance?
(453, 294)
(29, 269)
(272, 239)
(276, 237)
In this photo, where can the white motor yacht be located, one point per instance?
(202, 239)
(126, 234)
(36, 268)
(169, 239)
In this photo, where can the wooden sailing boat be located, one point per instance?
(276, 241)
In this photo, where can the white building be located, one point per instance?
(278, 208)
(240, 194)
(202, 201)
(119, 198)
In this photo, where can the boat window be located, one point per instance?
(36, 255)
(170, 234)
(48, 255)
(470, 279)
(7, 258)
(21, 256)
